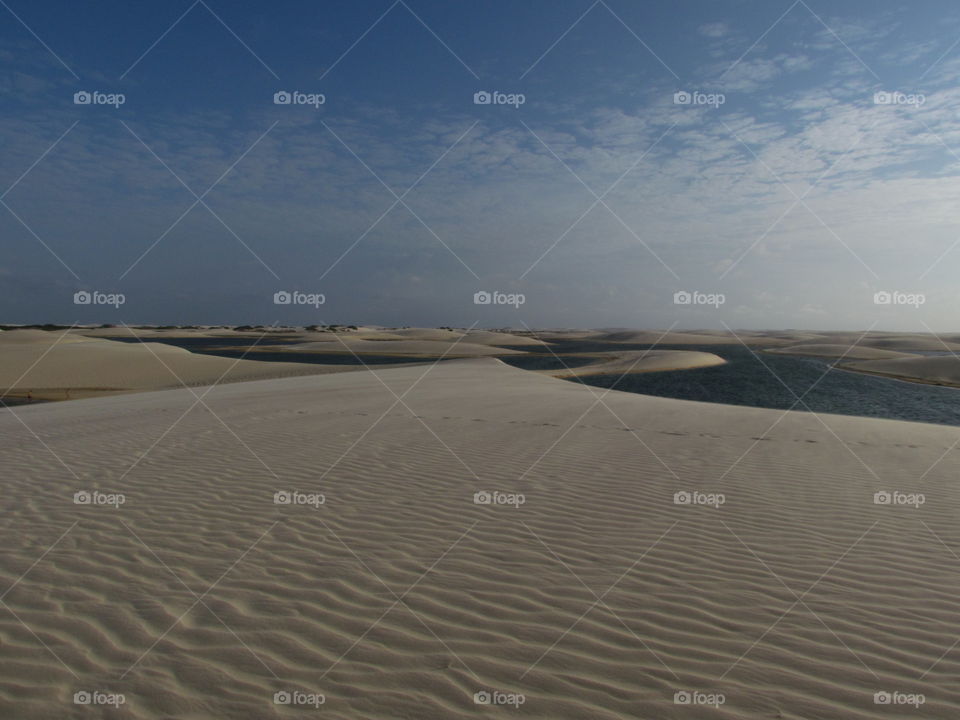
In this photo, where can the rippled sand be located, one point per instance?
(597, 596)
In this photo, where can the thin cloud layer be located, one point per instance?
(798, 166)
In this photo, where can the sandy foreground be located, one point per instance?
(483, 530)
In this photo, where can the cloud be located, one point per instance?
(713, 192)
(714, 30)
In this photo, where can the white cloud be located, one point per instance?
(714, 30)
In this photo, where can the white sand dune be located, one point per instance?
(394, 347)
(427, 334)
(894, 342)
(146, 332)
(852, 352)
(908, 343)
(679, 337)
(488, 337)
(550, 335)
(400, 597)
(937, 370)
(370, 334)
(662, 338)
(471, 337)
(57, 365)
(642, 361)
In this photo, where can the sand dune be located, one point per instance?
(427, 334)
(898, 342)
(59, 365)
(663, 338)
(551, 335)
(937, 370)
(472, 337)
(641, 362)
(429, 348)
(492, 597)
(904, 342)
(683, 337)
(852, 352)
(488, 337)
(145, 332)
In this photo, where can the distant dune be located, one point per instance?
(889, 355)
(853, 352)
(936, 370)
(423, 348)
(664, 338)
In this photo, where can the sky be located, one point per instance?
(760, 165)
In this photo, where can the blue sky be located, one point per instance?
(787, 185)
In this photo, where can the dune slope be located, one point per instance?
(937, 369)
(596, 597)
(56, 365)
